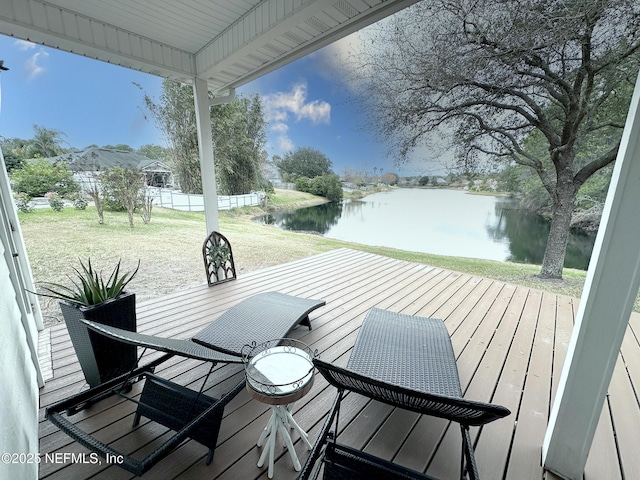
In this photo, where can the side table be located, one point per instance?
(278, 373)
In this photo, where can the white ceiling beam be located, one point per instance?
(273, 19)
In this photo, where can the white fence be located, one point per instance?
(192, 202)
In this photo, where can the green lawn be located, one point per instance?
(170, 247)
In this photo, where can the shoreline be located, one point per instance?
(55, 241)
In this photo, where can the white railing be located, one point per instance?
(176, 200)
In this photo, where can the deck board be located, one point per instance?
(494, 440)
(510, 344)
(524, 462)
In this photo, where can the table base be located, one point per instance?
(282, 421)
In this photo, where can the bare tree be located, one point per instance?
(87, 164)
(124, 185)
(491, 73)
(92, 187)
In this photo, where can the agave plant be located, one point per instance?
(89, 287)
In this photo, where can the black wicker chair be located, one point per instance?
(218, 259)
(407, 362)
(190, 413)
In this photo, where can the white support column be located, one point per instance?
(607, 300)
(207, 165)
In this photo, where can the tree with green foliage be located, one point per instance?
(124, 185)
(239, 133)
(328, 186)
(154, 152)
(119, 146)
(45, 143)
(304, 162)
(39, 176)
(176, 117)
(496, 73)
(12, 149)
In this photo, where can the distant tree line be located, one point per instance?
(364, 176)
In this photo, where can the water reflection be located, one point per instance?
(527, 237)
(317, 219)
(443, 222)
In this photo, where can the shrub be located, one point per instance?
(328, 186)
(55, 201)
(112, 205)
(302, 184)
(39, 176)
(332, 188)
(22, 202)
(80, 202)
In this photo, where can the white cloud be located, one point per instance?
(33, 64)
(285, 144)
(280, 107)
(279, 127)
(24, 45)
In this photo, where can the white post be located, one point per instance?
(207, 165)
(607, 300)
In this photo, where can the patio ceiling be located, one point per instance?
(227, 43)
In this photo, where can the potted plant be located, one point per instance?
(92, 298)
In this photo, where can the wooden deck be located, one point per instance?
(510, 342)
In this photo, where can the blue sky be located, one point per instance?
(306, 103)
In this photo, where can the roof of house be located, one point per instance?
(94, 158)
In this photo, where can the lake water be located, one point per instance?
(438, 221)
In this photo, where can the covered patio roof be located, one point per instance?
(227, 43)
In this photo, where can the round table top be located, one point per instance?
(279, 375)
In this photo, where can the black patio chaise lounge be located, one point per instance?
(190, 413)
(407, 362)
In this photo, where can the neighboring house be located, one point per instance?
(271, 173)
(85, 164)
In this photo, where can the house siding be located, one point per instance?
(19, 392)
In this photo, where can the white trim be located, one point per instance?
(15, 256)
